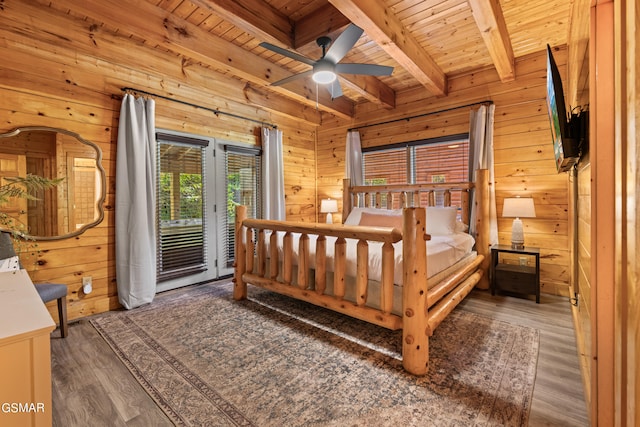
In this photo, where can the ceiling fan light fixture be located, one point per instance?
(324, 73)
(324, 77)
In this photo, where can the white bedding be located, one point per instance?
(442, 252)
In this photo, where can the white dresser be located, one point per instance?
(25, 353)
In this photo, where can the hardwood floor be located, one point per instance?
(91, 386)
(558, 395)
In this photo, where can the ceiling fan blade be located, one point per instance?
(287, 53)
(367, 69)
(343, 43)
(292, 78)
(335, 89)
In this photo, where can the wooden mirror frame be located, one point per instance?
(99, 200)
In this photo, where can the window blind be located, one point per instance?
(243, 176)
(182, 247)
(435, 160)
(386, 167)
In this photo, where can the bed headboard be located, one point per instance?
(416, 195)
(397, 196)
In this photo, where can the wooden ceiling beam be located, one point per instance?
(493, 29)
(386, 29)
(325, 21)
(372, 89)
(280, 105)
(256, 18)
(166, 30)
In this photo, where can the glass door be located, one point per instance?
(239, 170)
(185, 198)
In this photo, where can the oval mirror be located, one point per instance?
(68, 209)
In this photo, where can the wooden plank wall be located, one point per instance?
(65, 75)
(522, 145)
(582, 312)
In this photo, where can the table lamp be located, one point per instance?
(328, 206)
(518, 207)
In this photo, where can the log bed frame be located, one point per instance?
(423, 309)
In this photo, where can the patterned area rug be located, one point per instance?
(273, 361)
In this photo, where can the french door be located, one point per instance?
(196, 188)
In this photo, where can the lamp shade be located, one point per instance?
(518, 207)
(328, 206)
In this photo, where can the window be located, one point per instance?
(182, 249)
(243, 184)
(432, 160)
(386, 166)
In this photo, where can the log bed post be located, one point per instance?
(240, 286)
(415, 342)
(464, 205)
(321, 265)
(274, 264)
(347, 198)
(483, 243)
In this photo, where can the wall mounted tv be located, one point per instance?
(566, 131)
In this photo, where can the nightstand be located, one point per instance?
(522, 278)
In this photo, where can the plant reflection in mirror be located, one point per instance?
(23, 188)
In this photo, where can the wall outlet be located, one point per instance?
(87, 285)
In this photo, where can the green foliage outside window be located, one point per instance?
(233, 188)
(375, 181)
(190, 199)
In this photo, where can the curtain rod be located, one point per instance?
(487, 102)
(214, 111)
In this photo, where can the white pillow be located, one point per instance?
(441, 221)
(378, 220)
(9, 264)
(356, 214)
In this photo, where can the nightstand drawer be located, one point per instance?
(516, 278)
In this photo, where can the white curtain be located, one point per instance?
(481, 139)
(272, 175)
(135, 202)
(353, 160)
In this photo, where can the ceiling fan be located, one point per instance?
(325, 70)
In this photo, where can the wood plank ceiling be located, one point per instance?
(426, 41)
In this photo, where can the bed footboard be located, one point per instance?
(251, 265)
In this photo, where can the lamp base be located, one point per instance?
(517, 234)
(329, 218)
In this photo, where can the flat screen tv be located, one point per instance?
(564, 134)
